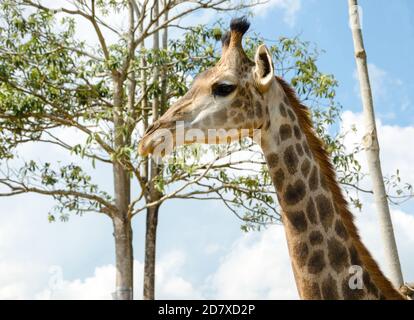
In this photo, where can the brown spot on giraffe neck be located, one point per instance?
(273, 160)
(349, 293)
(301, 252)
(337, 255)
(291, 115)
(313, 179)
(311, 211)
(353, 253)
(282, 109)
(325, 211)
(324, 184)
(278, 179)
(297, 132)
(340, 230)
(285, 132)
(297, 220)
(315, 238)
(299, 149)
(316, 262)
(311, 290)
(305, 168)
(329, 289)
(291, 160)
(306, 149)
(369, 285)
(295, 192)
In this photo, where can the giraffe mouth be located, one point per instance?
(162, 137)
(154, 136)
(146, 146)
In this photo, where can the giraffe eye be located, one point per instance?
(223, 89)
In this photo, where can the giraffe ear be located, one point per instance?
(263, 72)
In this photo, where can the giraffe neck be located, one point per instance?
(324, 246)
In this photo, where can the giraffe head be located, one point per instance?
(227, 100)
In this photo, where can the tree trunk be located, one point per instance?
(164, 82)
(150, 252)
(123, 236)
(121, 220)
(370, 142)
(124, 258)
(153, 195)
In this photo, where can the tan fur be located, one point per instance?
(319, 152)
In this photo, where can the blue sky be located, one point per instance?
(387, 29)
(201, 250)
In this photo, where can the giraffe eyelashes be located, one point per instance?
(223, 89)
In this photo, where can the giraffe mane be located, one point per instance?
(317, 148)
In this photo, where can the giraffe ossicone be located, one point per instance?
(240, 96)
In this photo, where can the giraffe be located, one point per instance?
(323, 241)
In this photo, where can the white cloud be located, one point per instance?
(48, 152)
(29, 244)
(97, 287)
(394, 145)
(170, 282)
(387, 90)
(257, 266)
(379, 79)
(395, 154)
(17, 281)
(213, 248)
(403, 223)
(290, 9)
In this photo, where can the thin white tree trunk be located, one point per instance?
(121, 220)
(122, 187)
(154, 194)
(370, 143)
(163, 100)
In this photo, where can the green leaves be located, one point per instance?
(69, 185)
(50, 81)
